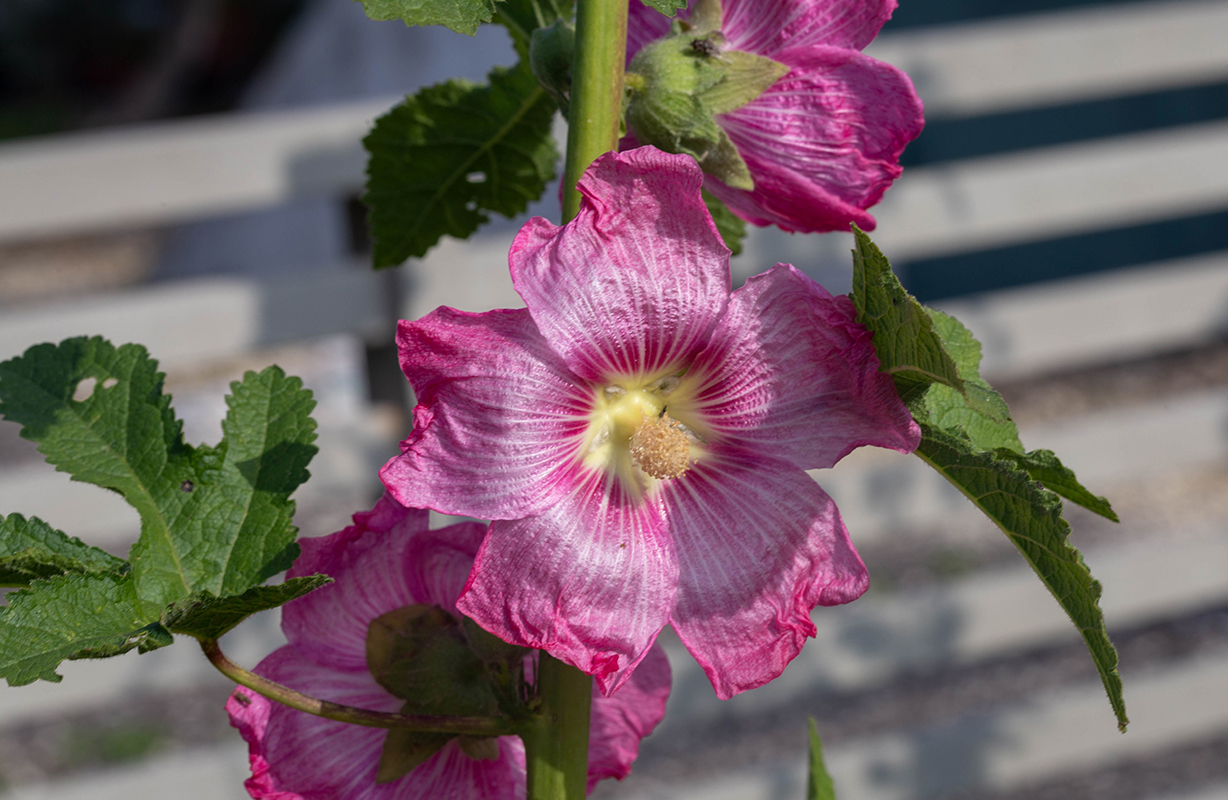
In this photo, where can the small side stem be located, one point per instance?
(474, 726)
(596, 90)
(556, 747)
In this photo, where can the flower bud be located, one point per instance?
(550, 54)
(676, 86)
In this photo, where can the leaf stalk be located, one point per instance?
(470, 726)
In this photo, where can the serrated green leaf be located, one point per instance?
(667, 7)
(31, 549)
(522, 17)
(462, 16)
(212, 519)
(1044, 466)
(450, 154)
(1031, 517)
(234, 531)
(908, 347)
(69, 617)
(730, 226)
(978, 411)
(819, 785)
(205, 616)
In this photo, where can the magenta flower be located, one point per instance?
(386, 560)
(639, 435)
(823, 143)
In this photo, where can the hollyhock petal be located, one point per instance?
(635, 283)
(759, 545)
(380, 564)
(789, 373)
(823, 142)
(621, 720)
(449, 775)
(590, 580)
(299, 756)
(768, 26)
(498, 421)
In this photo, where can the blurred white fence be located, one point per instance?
(172, 172)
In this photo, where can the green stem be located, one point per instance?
(473, 726)
(596, 90)
(556, 747)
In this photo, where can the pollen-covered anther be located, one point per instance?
(661, 447)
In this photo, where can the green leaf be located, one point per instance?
(978, 411)
(72, 616)
(522, 17)
(1044, 466)
(462, 16)
(31, 549)
(908, 347)
(453, 152)
(1031, 517)
(730, 226)
(667, 7)
(234, 529)
(819, 785)
(212, 519)
(206, 616)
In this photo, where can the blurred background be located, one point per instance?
(186, 174)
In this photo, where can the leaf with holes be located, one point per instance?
(462, 16)
(31, 549)
(447, 156)
(212, 519)
(69, 617)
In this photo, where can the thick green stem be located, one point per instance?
(556, 746)
(596, 90)
(474, 726)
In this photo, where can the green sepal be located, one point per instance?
(73, 616)
(731, 227)
(550, 57)
(31, 549)
(818, 783)
(1044, 466)
(677, 85)
(462, 16)
(746, 76)
(445, 157)
(205, 616)
(422, 654)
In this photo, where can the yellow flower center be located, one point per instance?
(633, 435)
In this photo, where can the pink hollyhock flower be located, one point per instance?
(638, 435)
(386, 560)
(822, 143)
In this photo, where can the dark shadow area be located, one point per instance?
(1052, 259)
(951, 139)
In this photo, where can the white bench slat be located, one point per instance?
(1059, 733)
(165, 172)
(997, 613)
(205, 773)
(1039, 194)
(1068, 56)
